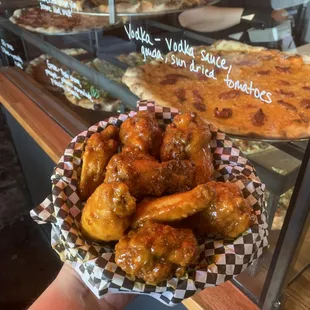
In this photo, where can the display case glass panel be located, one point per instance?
(243, 66)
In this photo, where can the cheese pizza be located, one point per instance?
(242, 90)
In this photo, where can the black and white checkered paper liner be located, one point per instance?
(95, 262)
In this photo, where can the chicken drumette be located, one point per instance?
(229, 214)
(147, 177)
(174, 207)
(211, 208)
(188, 137)
(107, 213)
(100, 147)
(156, 252)
(143, 133)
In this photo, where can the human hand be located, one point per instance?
(68, 291)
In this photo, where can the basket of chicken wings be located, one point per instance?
(155, 202)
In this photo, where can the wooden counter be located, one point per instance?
(53, 139)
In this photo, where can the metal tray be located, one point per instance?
(267, 140)
(146, 14)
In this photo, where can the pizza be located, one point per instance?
(36, 68)
(142, 6)
(242, 90)
(100, 100)
(37, 20)
(88, 96)
(133, 59)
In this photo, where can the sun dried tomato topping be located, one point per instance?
(258, 119)
(284, 83)
(305, 103)
(171, 79)
(283, 69)
(198, 101)
(181, 94)
(232, 94)
(247, 62)
(175, 76)
(284, 93)
(168, 82)
(263, 72)
(225, 113)
(287, 105)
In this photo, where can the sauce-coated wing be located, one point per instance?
(228, 215)
(156, 252)
(188, 137)
(174, 207)
(142, 132)
(107, 213)
(100, 147)
(147, 177)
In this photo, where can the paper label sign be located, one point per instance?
(8, 50)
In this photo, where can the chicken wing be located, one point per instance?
(188, 137)
(174, 207)
(100, 147)
(142, 132)
(211, 208)
(229, 214)
(107, 213)
(147, 177)
(156, 252)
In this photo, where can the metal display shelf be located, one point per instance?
(268, 140)
(115, 89)
(145, 14)
(114, 13)
(295, 224)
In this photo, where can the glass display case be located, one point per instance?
(242, 65)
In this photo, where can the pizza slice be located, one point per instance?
(81, 92)
(133, 59)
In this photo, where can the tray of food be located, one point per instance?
(155, 202)
(48, 23)
(245, 91)
(99, 100)
(146, 8)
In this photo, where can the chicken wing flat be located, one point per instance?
(188, 137)
(174, 207)
(147, 177)
(100, 147)
(107, 213)
(142, 132)
(156, 252)
(229, 214)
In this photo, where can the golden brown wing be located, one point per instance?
(100, 147)
(174, 207)
(188, 137)
(156, 252)
(228, 215)
(142, 132)
(107, 213)
(147, 177)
